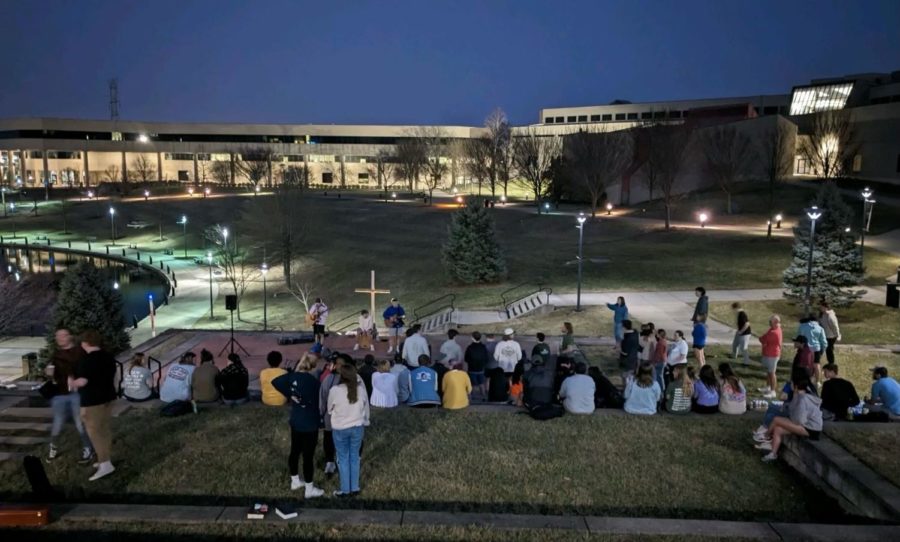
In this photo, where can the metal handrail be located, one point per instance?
(506, 304)
(448, 305)
(344, 323)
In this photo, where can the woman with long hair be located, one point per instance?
(642, 393)
(348, 408)
(680, 390)
(384, 386)
(567, 346)
(137, 386)
(733, 396)
(706, 392)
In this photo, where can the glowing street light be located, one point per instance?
(703, 218)
(209, 260)
(868, 206)
(609, 207)
(146, 194)
(206, 192)
(547, 206)
(191, 191)
(459, 200)
(116, 285)
(256, 190)
(90, 194)
(778, 219)
(581, 218)
(183, 223)
(503, 199)
(142, 138)
(814, 214)
(112, 224)
(394, 196)
(264, 270)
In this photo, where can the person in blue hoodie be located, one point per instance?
(817, 342)
(301, 388)
(423, 385)
(698, 334)
(620, 314)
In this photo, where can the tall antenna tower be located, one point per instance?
(113, 99)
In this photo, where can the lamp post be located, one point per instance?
(209, 260)
(703, 218)
(264, 270)
(581, 219)
(814, 214)
(112, 224)
(609, 207)
(191, 191)
(778, 219)
(394, 197)
(206, 192)
(183, 223)
(866, 195)
(146, 195)
(3, 196)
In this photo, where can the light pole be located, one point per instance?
(209, 259)
(206, 192)
(183, 223)
(609, 207)
(866, 194)
(814, 214)
(112, 224)
(265, 269)
(146, 195)
(580, 226)
(778, 219)
(3, 196)
(703, 218)
(191, 191)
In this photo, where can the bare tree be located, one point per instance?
(26, 303)
(532, 156)
(112, 174)
(499, 134)
(727, 156)
(831, 144)
(255, 163)
(220, 171)
(233, 261)
(456, 152)
(300, 288)
(142, 168)
(479, 161)
(435, 146)
(411, 159)
(666, 157)
(775, 148)
(385, 166)
(597, 158)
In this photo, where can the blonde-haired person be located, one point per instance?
(384, 386)
(137, 386)
(301, 389)
(680, 390)
(771, 342)
(348, 407)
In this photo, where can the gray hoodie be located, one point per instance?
(806, 410)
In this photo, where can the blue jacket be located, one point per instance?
(423, 387)
(394, 311)
(620, 312)
(302, 391)
(815, 335)
(699, 335)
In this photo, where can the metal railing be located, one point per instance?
(345, 323)
(150, 361)
(435, 306)
(507, 300)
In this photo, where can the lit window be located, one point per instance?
(820, 98)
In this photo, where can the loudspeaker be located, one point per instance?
(231, 302)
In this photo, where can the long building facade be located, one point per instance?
(35, 152)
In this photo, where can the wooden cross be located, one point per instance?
(372, 291)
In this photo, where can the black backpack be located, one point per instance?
(41, 489)
(546, 412)
(176, 408)
(607, 395)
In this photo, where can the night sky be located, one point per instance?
(421, 62)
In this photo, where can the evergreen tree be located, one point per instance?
(837, 263)
(87, 301)
(471, 254)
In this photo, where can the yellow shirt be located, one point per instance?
(271, 396)
(457, 387)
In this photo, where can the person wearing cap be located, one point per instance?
(177, 383)
(508, 352)
(804, 357)
(234, 381)
(203, 383)
(885, 394)
(393, 320)
(414, 346)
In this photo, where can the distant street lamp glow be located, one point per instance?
(256, 189)
(209, 260)
(547, 206)
(206, 191)
(503, 199)
(814, 214)
(183, 223)
(609, 207)
(581, 218)
(868, 207)
(703, 218)
(459, 199)
(146, 194)
(112, 224)
(143, 138)
(264, 270)
(394, 196)
(191, 191)
(115, 285)
(778, 219)
(90, 194)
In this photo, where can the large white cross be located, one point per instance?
(372, 291)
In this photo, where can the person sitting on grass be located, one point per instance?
(542, 348)
(177, 384)
(629, 346)
(301, 387)
(885, 395)
(234, 381)
(577, 391)
(698, 334)
(606, 394)
(678, 350)
(706, 392)
(137, 386)
(384, 386)
(538, 385)
(771, 353)
(366, 371)
(203, 384)
(423, 384)
(271, 396)
(838, 395)
(805, 419)
(565, 367)
(733, 398)
(402, 373)
(642, 393)
(680, 390)
(457, 386)
(477, 359)
(516, 385)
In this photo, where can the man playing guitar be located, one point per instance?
(393, 320)
(318, 313)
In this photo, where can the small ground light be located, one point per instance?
(547, 206)
(394, 196)
(146, 194)
(703, 218)
(847, 229)
(778, 219)
(609, 207)
(257, 189)
(459, 199)
(205, 191)
(502, 199)
(90, 194)
(115, 285)
(191, 191)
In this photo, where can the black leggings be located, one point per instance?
(328, 444)
(303, 442)
(829, 350)
(700, 409)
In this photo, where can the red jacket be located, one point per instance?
(805, 358)
(771, 343)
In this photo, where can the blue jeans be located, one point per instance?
(64, 406)
(659, 370)
(618, 331)
(347, 443)
(771, 413)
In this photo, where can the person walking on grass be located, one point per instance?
(642, 393)
(94, 379)
(701, 309)
(741, 342)
(348, 408)
(477, 359)
(318, 315)
(698, 335)
(66, 402)
(771, 342)
(829, 322)
(620, 314)
(733, 396)
(706, 392)
(301, 389)
(805, 419)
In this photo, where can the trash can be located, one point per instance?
(29, 364)
(893, 295)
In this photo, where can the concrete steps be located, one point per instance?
(528, 304)
(26, 412)
(437, 322)
(24, 426)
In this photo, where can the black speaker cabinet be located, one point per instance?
(231, 302)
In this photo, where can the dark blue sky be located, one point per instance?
(428, 61)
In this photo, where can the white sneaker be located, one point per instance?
(355, 347)
(765, 446)
(372, 347)
(761, 438)
(764, 389)
(769, 457)
(106, 468)
(296, 483)
(312, 492)
(53, 453)
(330, 468)
(769, 395)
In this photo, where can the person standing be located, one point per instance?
(393, 320)
(661, 350)
(620, 314)
(815, 338)
(450, 351)
(301, 388)
(701, 309)
(348, 408)
(698, 334)
(329, 380)
(771, 342)
(829, 322)
(94, 378)
(542, 348)
(508, 352)
(567, 346)
(629, 347)
(741, 342)
(476, 358)
(270, 395)
(66, 403)
(414, 346)
(318, 314)
(677, 355)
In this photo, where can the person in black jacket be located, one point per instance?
(538, 384)
(631, 345)
(94, 378)
(233, 381)
(302, 391)
(366, 371)
(838, 394)
(477, 358)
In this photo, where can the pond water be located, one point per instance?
(134, 283)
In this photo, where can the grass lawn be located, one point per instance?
(877, 448)
(454, 461)
(861, 323)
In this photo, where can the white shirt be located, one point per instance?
(677, 352)
(322, 309)
(344, 414)
(384, 390)
(366, 323)
(508, 353)
(451, 351)
(413, 347)
(177, 385)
